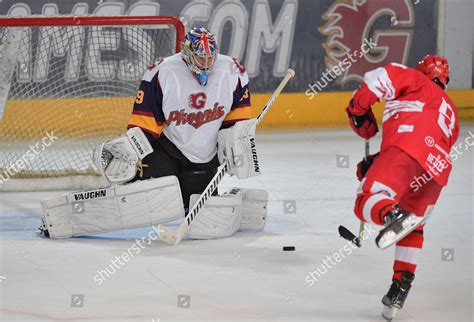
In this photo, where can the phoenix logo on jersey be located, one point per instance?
(197, 100)
(196, 119)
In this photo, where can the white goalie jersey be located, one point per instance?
(172, 102)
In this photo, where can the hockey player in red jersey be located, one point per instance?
(420, 125)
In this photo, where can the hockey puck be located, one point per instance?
(288, 248)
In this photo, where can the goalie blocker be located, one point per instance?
(236, 146)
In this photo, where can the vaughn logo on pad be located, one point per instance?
(95, 194)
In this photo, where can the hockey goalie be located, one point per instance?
(420, 125)
(191, 113)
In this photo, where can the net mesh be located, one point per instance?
(65, 89)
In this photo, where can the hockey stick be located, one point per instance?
(173, 237)
(346, 233)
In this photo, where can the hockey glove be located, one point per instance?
(364, 125)
(364, 165)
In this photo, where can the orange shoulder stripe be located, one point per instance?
(147, 123)
(239, 113)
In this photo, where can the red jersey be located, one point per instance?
(418, 117)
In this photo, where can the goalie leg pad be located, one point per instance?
(219, 218)
(137, 204)
(254, 209)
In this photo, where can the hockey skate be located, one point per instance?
(396, 295)
(398, 224)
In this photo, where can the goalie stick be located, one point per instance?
(173, 237)
(346, 233)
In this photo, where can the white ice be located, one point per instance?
(247, 277)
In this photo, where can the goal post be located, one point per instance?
(66, 84)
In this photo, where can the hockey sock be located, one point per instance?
(407, 252)
(372, 207)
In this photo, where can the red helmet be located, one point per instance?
(436, 68)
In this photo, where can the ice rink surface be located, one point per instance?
(247, 277)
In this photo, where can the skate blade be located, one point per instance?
(390, 237)
(389, 312)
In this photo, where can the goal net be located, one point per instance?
(67, 84)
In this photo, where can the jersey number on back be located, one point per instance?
(446, 118)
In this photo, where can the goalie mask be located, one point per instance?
(200, 52)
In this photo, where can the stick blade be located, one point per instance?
(348, 235)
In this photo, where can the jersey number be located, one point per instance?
(140, 96)
(446, 118)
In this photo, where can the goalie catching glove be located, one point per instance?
(119, 159)
(236, 146)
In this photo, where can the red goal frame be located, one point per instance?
(79, 173)
(38, 21)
